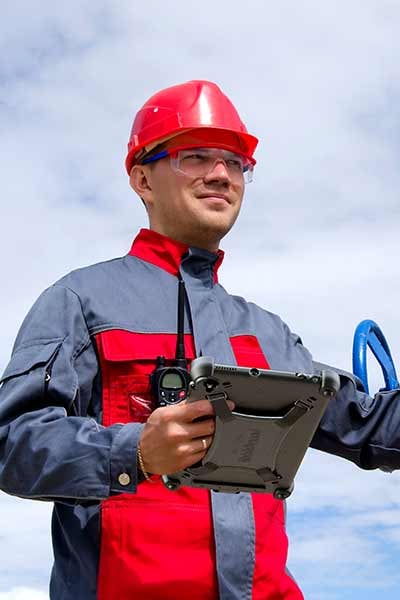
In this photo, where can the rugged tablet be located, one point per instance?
(259, 446)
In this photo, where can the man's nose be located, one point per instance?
(218, 172)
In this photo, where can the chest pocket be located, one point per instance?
(127, 358)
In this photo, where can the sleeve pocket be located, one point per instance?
(41, 375)
(27, 358)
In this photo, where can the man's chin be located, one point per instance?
(214, 230)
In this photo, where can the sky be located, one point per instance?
(317, 241)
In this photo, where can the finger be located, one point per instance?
(206, 443)
(203, 408)
(183, 412)
(201, 428)
(201, 445)
(192, 460)
(193, 410)
(196, 446)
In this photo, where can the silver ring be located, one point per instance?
(204, 442)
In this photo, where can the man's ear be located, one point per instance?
(139, 180)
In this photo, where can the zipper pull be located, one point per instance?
(47, 377)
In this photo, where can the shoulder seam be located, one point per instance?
(86, 339)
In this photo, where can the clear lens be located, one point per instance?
(198, 162)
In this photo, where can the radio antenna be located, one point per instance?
(180, 344)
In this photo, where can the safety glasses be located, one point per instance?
(198, 162)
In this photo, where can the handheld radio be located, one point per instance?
(170, 383)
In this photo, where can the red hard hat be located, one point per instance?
(188, 106)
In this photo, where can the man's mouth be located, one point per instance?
(215, 195)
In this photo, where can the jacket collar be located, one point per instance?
(167, 254)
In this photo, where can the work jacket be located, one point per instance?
(73, 402)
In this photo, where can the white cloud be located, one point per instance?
(26, 556)
(23, 593)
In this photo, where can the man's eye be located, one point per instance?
(235, 164)
(194, 155)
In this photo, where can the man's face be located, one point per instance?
(197, 210)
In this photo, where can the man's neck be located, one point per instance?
(192, 241)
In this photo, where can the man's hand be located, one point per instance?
(174, 439)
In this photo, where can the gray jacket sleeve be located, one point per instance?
(51, 447)
(360, 428)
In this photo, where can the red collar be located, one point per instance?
(164, 252)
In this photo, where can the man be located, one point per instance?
(79, 423)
